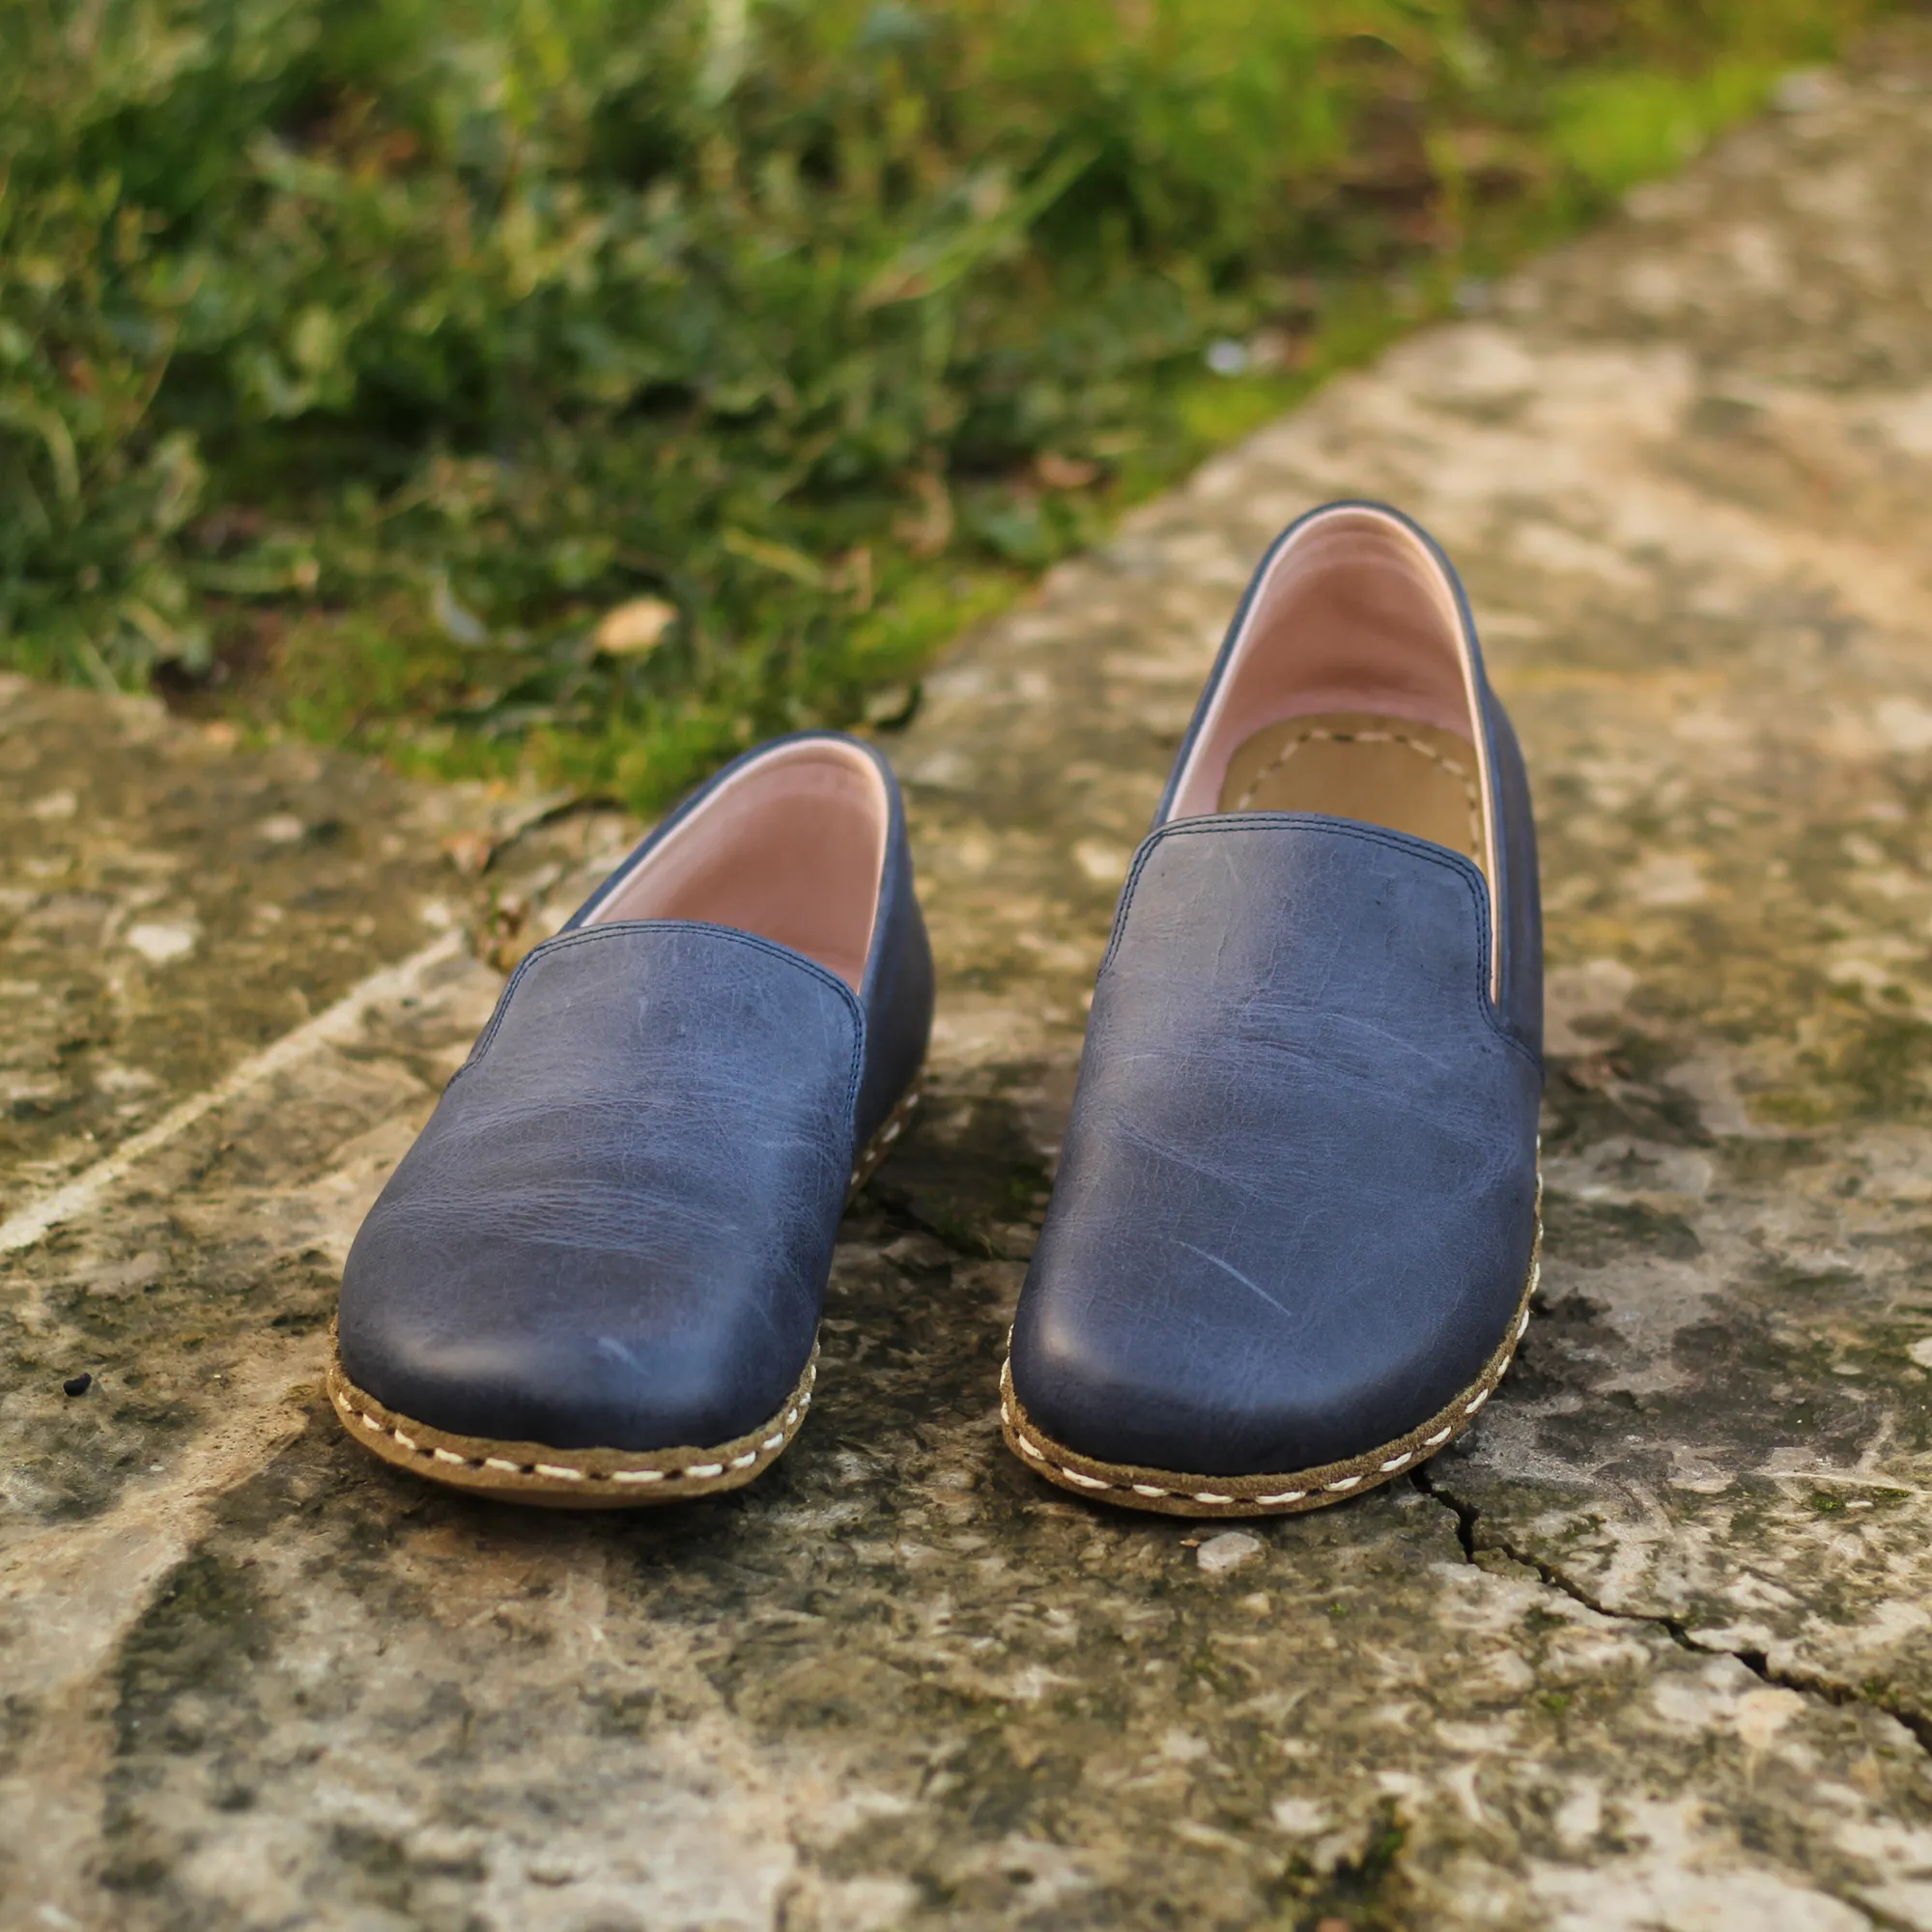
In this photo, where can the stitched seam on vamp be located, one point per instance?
(584, 936)
(1267, 821)
(1367, 834)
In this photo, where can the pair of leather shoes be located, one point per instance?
(1292, 1241)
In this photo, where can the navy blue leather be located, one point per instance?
(1519, 891)
(897, 992)
(1296, 1198)
(616, 1228)
(1295, 1203)
(1519, 884)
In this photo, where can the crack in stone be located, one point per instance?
(1918, 1723)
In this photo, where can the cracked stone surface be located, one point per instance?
(1651, 1648)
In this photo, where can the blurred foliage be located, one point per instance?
(359, 357)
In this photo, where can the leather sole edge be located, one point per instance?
(1173, 1492)
(536, 1473)
(533, 1472)
(883, 1141)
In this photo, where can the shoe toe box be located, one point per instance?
(616, 1231)
(577, 1348)
(1214, 1349)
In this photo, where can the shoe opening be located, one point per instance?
(1350, 691)
(790, 846)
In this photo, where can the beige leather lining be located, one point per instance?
(790, 848)
(1361, 764)
(1349, 691)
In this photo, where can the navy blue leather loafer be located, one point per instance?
(1294, 1238)
(596, 1277)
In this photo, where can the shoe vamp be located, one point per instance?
(618, 1223)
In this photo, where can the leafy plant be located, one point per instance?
(356, 359)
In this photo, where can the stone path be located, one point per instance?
(1652, 1649)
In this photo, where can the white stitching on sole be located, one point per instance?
(874, 1152)
(562, 1471)
(1286, 1496)
(559, 1471)
(1338, 1488)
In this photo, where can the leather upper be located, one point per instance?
(1295, 1206)
(616, 1228)
(1296, 1202)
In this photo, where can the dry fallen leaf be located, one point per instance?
(893, 707)
(634, 627)
(1063, 473)
(468, 851)
(1277, 350)
(929, 532)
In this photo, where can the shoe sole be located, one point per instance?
(534, 1473)
(1170, 1493)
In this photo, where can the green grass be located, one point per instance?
(358, 356)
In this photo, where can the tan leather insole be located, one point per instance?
(1358, 764)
